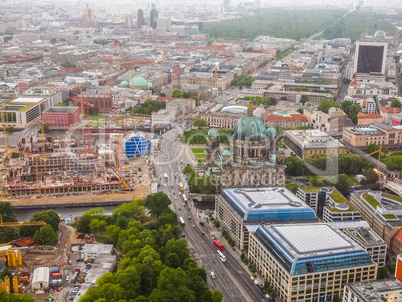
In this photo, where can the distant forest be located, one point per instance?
(356, 23)
(292, 24)
(300, 24)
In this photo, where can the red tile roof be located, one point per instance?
(362, 115)
(390, 109)
(398, 236)
(293, 117)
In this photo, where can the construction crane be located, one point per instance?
(216, 73)
(80, 100)
(127, 187)
(379, 158)
(268, 59)
(294, 65)
(18, 224)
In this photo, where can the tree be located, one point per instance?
(353, 111)
(46, 127)
(336, 299)
(346, 106)
(370, 177)
(10, 129)
(177, 93)
(157, 203)
(45, 235)
(7, 212)
(217, 296)
(382, 273)
(53, 41)
(10, 234)
(67, 64)
(294, 166)
(346, 81)
(343, 185)
(198, 122)
(394, 162)
(396, 104)
(187, 170)
(300, 110)
(10, 297)
(50, 217)
(242, 80)
(162, 94)
(325, 104)
(303, 99)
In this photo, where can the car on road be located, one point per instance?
(213, 275)
(189, 217)
(67, 278)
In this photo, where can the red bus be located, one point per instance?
(218, 245)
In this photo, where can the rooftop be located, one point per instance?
(312, 247)
(373, 291)
(27, 100)
(60, 110)
(268, 205)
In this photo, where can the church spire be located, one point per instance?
(250, 108)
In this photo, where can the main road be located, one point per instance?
(231, 278)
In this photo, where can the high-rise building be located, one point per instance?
(226, 4)
(128, 20)
(153, 16)
(140, 18)
(87, 13)
(370, 57)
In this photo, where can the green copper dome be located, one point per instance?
(212, 132)
(281, 151)
(249, 127)
(226, 153)
(124, 83)
(271, 131)
(138, 81)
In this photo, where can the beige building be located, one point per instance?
(220, 82)
(308, 262)
(365, 119)
(377, 133)
(285, 120)
(382, 211)
(374, 291)
(333, 121)
(306, 143)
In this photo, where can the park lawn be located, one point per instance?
(372, 201)
(101, 239)
(394, 197)
(198, 150)
(96, 124)
(95, 117)
(353, 180)
(198, 155)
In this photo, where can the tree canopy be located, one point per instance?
(199, 122)
(325, 104)
(46, 235)
(257, 100)
(396, 103)
(242, 80)
(157, 203)
(148, 107)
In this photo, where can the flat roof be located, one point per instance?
(27, 100)
(311, 247)
(276, 204)
(312, 238)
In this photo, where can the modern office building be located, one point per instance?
(370, 57)
(306, 143)
(153, 16)
(338, 208)
(316, 198)
(308, 262)
(383, 212)
(140, 18)
(238, 209)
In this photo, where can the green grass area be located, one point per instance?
(96, 124)
(357, 235)
(372, 201)
(310, 189)
(292, 187)
(394, 197)
(353, 180)
(198, 150)
(198, 155)
(338, 197)
(62, 105)
(389, 216)
(26, 108)
(101, 239)
(95, 117)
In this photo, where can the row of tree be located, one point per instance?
(199, 137)
(157, 264)
(199, 184)
(393, 161)
(257, 100)
(242, 80)
(148, 107)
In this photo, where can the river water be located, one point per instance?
(26, 214)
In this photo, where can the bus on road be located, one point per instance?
(185, 200)
(182, 223)
(166, 176)
(181, 186)
(220, 256)
(218, 245)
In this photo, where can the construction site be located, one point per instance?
(47, 168)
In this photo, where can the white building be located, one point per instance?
(163, 117)
(367, 103)
(41, 278)
(94, 250)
